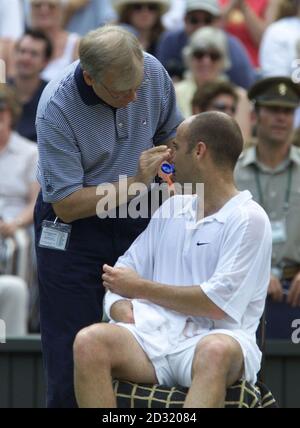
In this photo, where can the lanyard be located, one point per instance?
(287, 192)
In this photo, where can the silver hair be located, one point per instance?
(111, 48)
(208, 37)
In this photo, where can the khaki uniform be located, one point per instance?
(278, 191)
(274, 189)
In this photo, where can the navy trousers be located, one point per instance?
(71, 291)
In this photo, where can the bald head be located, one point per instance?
(220, 133)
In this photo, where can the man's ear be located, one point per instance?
(201, 149)
(87, 78)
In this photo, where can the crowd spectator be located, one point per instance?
(216, 96)
(247, 20)
(19, 187)
(32, 53)
(271, 171)
(207, 58)
(18, 192)
(200, 13)
(144, 17)
(47, 16)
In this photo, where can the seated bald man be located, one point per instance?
(186, 298)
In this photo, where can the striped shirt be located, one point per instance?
(84, 142)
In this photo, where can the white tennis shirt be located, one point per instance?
(228, 254)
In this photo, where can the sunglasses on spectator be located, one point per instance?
(223, 107)
(140, 6)
(213, 55)
(195, 20)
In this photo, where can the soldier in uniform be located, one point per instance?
(271, 171)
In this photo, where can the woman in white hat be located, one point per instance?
(144, 16)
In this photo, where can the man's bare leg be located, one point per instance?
(102, 352)
(218, 363)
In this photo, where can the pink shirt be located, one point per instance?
(236, 25)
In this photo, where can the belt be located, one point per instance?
(289, 272)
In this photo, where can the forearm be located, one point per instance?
(189, 300)
(86, 202)
(255, 25)
(89, 201)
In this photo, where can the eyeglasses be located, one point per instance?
(223, 107)
(121, 94)
(213, 55)
(207, 19)
(140, 6)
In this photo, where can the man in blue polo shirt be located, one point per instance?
(98, 121)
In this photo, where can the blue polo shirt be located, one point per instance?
(84, 142)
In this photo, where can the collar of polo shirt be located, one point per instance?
(86, 92)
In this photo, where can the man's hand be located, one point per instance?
(150, 161)
(293, 297)
(275, 290)
(122, 281)
(122, 311)
(8, 229)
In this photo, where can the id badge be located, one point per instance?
(278, 231)
(55, 235)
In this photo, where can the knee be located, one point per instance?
(213, 354)
(91, 346)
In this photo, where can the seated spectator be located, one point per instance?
(183, 312)
(247, 20)
(216, 96)
(13, 304)
(271, 171)
(200, 13)
(144, 17)
(207, 58)
(47, 16)
(32, 53)
(18, 162)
